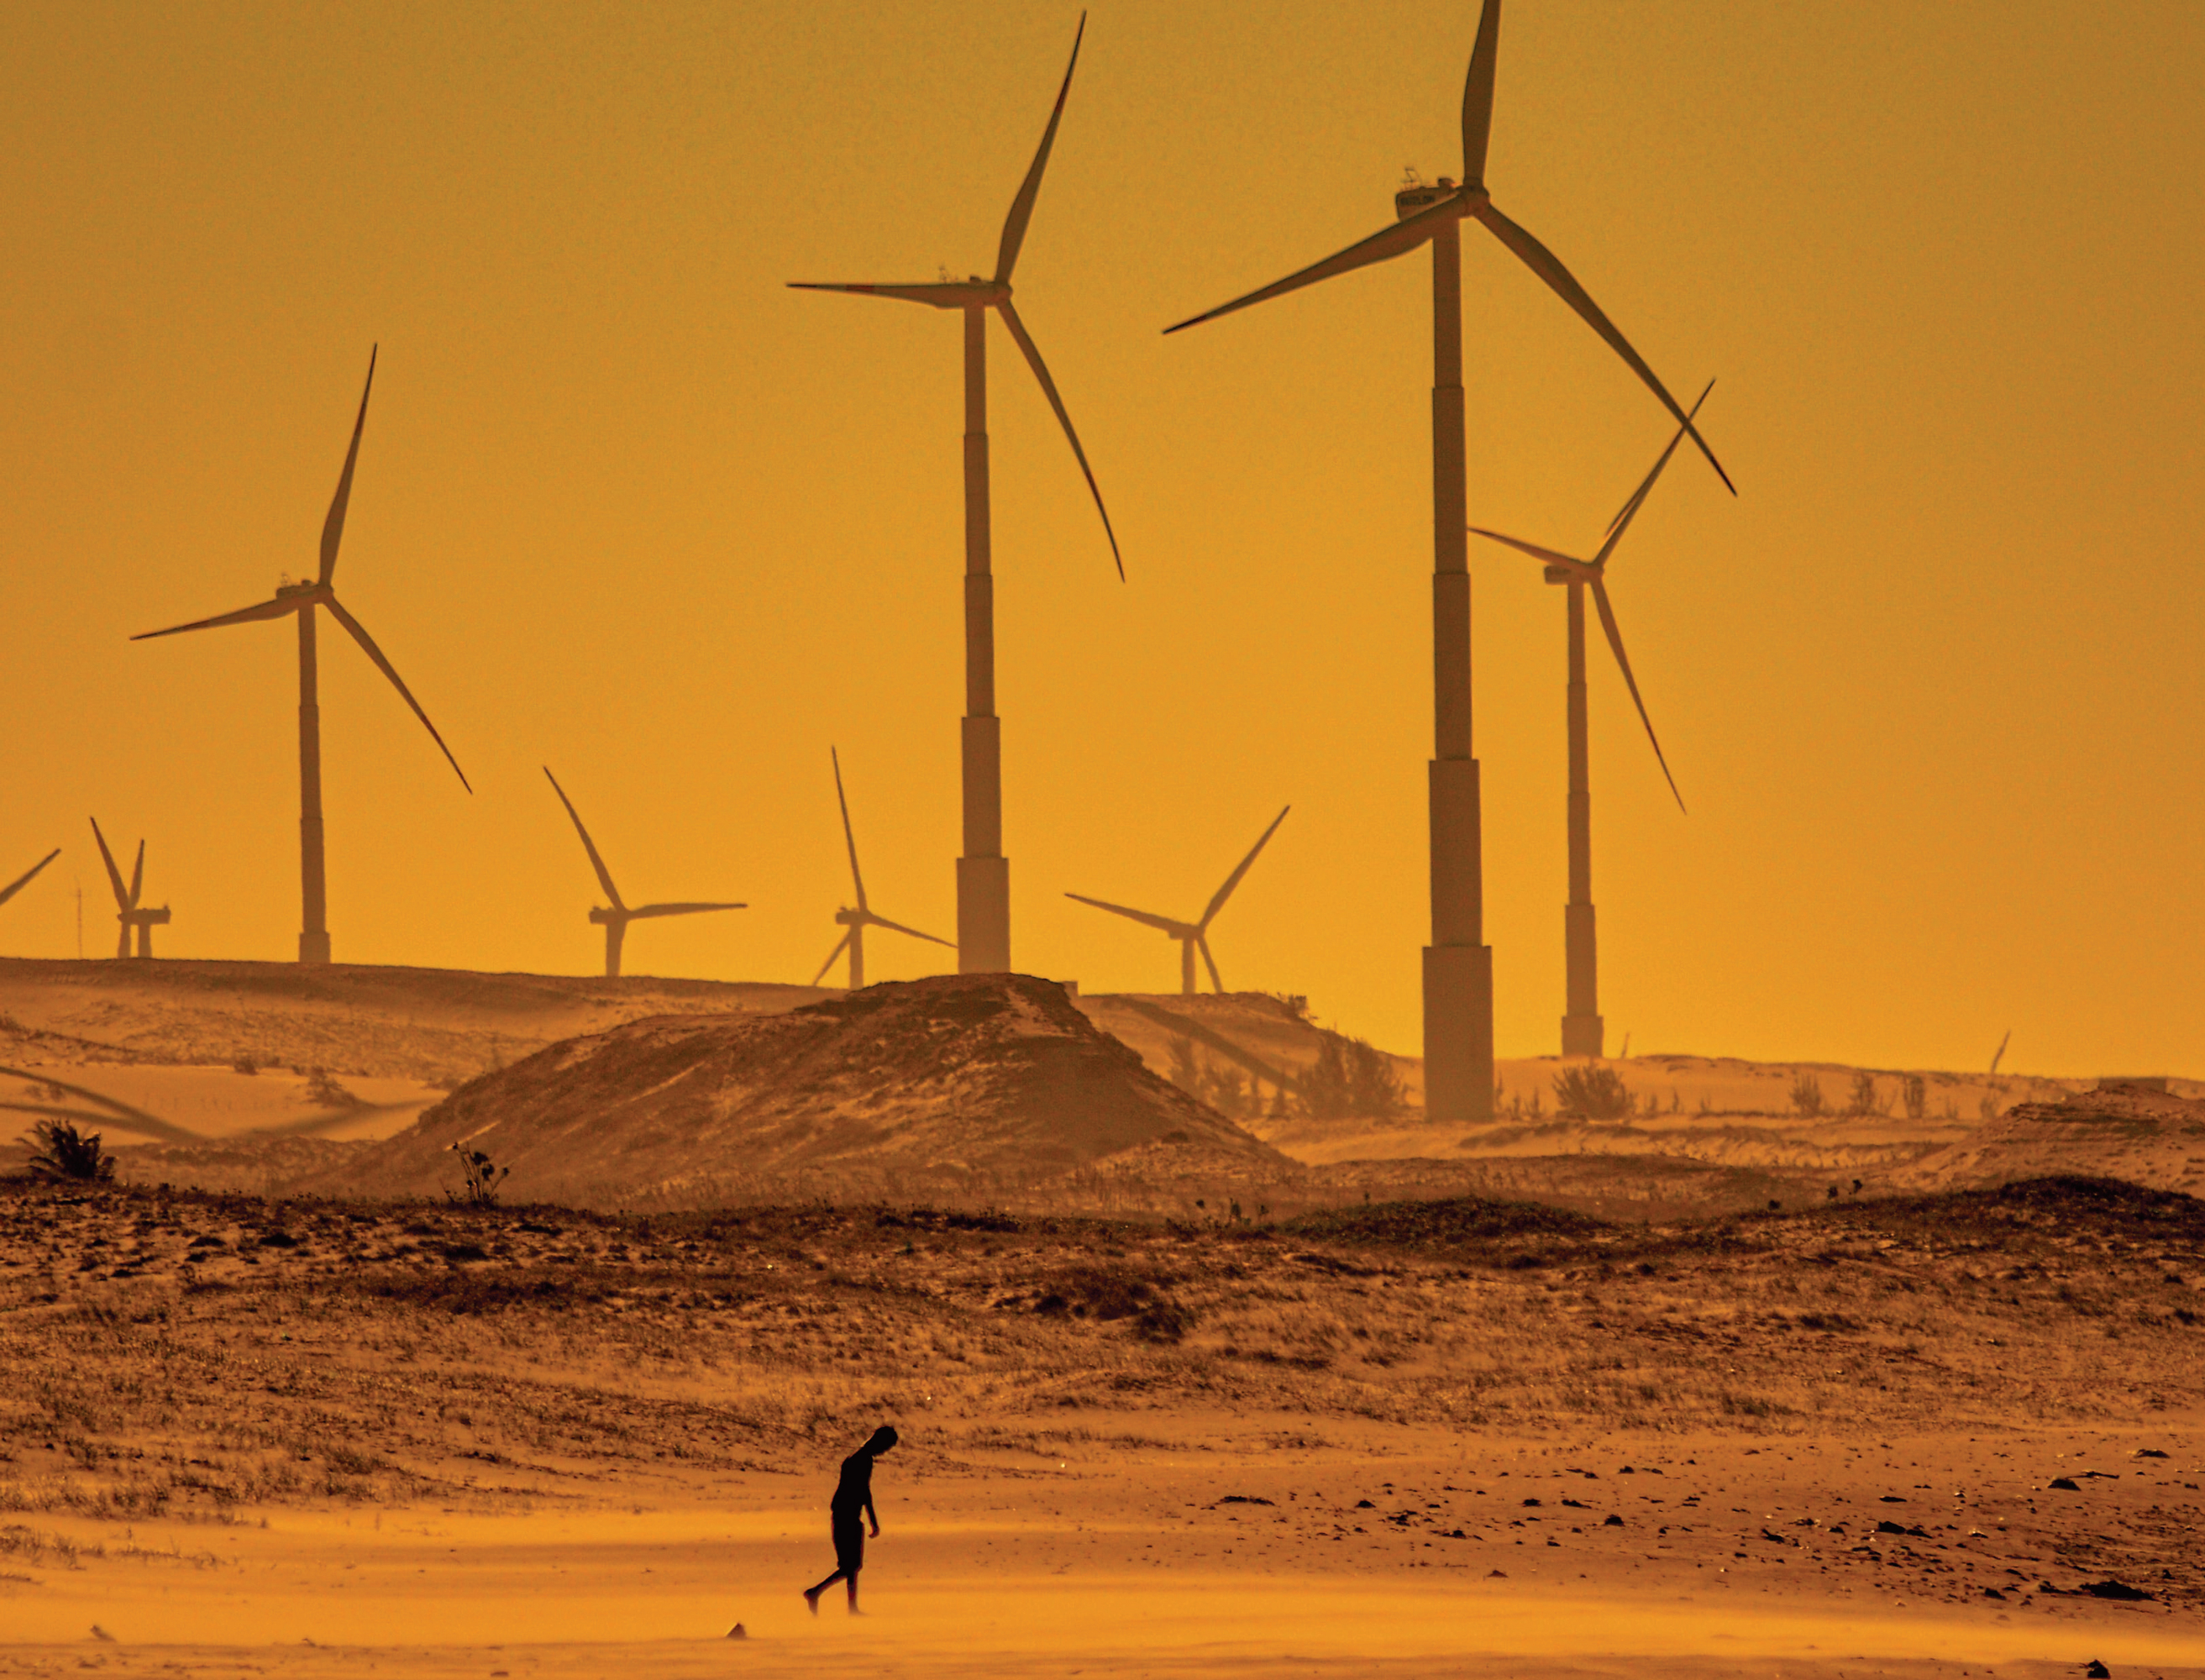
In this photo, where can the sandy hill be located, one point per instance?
(992, 1074)
(2123, 1132)
(432, 1024)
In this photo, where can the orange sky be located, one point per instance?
(627, 506)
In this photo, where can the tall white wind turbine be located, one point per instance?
(853, 922)
(1457, 964)
(984, 874)
(28, 876)
(127, 911)
(1583, 1033)
(300, 600)
(616, 917)
(1192, 936)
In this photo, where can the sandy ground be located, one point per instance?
(1214, 1559)
(249, 1436)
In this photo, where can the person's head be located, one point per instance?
(883, 1438)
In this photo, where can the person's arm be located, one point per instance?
(874, 1515)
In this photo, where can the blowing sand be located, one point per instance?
(309, 1437)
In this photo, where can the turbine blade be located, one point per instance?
(1477, 95)
(1232, 880)
(605, 875)
(850, 839)
(27, 876)
(1383, 245)
(1549, 267)
(278, 608)
(1049, 389)
(874, 921)
(114, 874)
(1209, 962)
(375, 653)
(642, 911)
(948, 295)
(1621, 522)
(1014, 224)
(1623, 659)
(1176, 929)
(333, 527)
(138, 877)
(840, 946)
(1552, 556)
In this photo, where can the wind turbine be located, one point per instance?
(1457, 964)
(28, 876)
(855, 921)
(1582, 1034)
(984, 874)
(127, 910)
(300, 599)
(1192, 934)
(616, 916)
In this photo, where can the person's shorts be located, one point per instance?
(849, 1543)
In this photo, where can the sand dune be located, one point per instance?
(991, 1074)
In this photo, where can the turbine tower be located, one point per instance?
(1457, 964)
(984, 874)
(127, 910)
(855, 921)
(1582, 1034)
(28, 876)
(616, 917)
(300, 600)
(1192, 934)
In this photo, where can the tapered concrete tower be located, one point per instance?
(1582, 1032)
(1458, 966)
(984, 874)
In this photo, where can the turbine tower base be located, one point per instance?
(984, 916)
(1583, 1035)
(314, 947)
(1457, 1034)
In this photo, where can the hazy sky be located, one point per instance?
(628, 506)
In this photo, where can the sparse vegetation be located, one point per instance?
(479, 1178)
(1866, 1101)
(1350, 1080)
(1915, 1096)
(59, 1150)
(1807, 1096)
(1593, 1091)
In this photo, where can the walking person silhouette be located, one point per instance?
(849, 1510)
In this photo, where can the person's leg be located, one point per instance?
(812, 1593)
(852, 1578)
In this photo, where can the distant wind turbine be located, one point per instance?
(616, 916)
(855, 921)
(126, 909)
(1457, 964)
(1192, 936)
(984, 874)
(300, 600)
(1582, 1034)
(28, 876)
